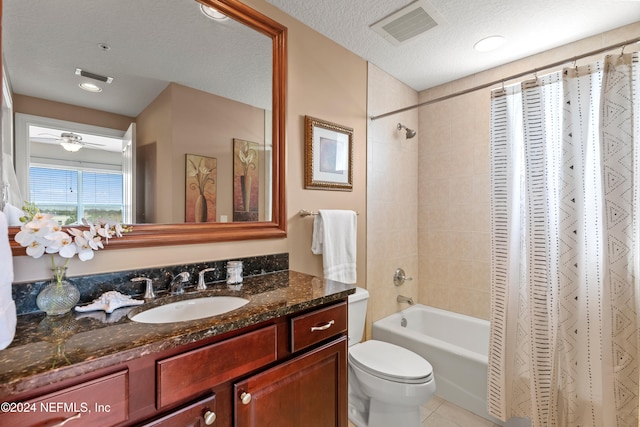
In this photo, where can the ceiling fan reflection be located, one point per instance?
(69, 141)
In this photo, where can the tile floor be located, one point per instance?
(437, 412)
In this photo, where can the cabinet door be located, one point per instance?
(309, 390)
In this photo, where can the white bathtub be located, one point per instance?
(456, 346)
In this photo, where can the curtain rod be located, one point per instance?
(512, 77)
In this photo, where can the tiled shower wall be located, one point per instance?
(453, 230)
(392, 195)
(453, 177)
(451, 191)
(428, 197)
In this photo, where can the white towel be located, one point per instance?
(9, 182)
(13, 214)
(7, 306)
(335, 236)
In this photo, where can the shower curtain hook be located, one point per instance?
(622, 50)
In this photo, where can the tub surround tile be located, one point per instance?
(49, 349)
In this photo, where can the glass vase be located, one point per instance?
(59, 296)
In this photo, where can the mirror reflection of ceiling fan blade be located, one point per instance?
(68, 140)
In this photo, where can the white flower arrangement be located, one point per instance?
(40, 233)
(247, 156)
(202, 176)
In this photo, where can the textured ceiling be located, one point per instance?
(153, 43)
(446, 52)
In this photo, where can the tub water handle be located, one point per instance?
(399, 277)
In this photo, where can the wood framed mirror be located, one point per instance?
(274, 223)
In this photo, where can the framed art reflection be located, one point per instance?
(246, 180)
(200, 191)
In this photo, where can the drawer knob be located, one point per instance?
(323, 327)
(209, 417)
(245, 398)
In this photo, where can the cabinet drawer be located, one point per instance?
(311, 328)
(103, 401)
(196, 371)
(197, 414)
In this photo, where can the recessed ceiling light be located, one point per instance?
(489, 43)
(90, 87)
(211, 13)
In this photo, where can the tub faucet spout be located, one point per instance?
(176, 287)
(408, 300)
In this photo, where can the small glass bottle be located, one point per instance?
(234, 272)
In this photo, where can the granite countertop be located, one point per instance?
(48, 349)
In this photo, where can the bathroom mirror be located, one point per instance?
(271, 224)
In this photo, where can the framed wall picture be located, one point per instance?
(200, 192)
(328, 155)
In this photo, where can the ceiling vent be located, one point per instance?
(89, 75)
(408, 22)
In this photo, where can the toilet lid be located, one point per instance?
(390, 362)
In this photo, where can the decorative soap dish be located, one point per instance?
(103, 317)
(110, 301)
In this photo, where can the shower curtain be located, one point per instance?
(565, 218)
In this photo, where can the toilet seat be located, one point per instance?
(390, 362)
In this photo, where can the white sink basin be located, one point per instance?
(190, 309)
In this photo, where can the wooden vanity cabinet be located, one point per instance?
(292, 371)
(308, 390)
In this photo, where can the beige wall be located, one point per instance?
(72, 113)
(329, 83)
(212, 124)
(181, 121)
(325, 81)
(392, 196)
(453, 231)
(153, 147)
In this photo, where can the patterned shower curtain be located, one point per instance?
(565, 218)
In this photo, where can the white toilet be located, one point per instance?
(387, 383)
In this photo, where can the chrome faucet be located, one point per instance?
(408, 300)
(148, 293)
(201, 284)
(176, 286)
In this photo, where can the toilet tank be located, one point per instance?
(357, 315)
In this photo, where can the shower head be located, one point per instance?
(410, 133)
